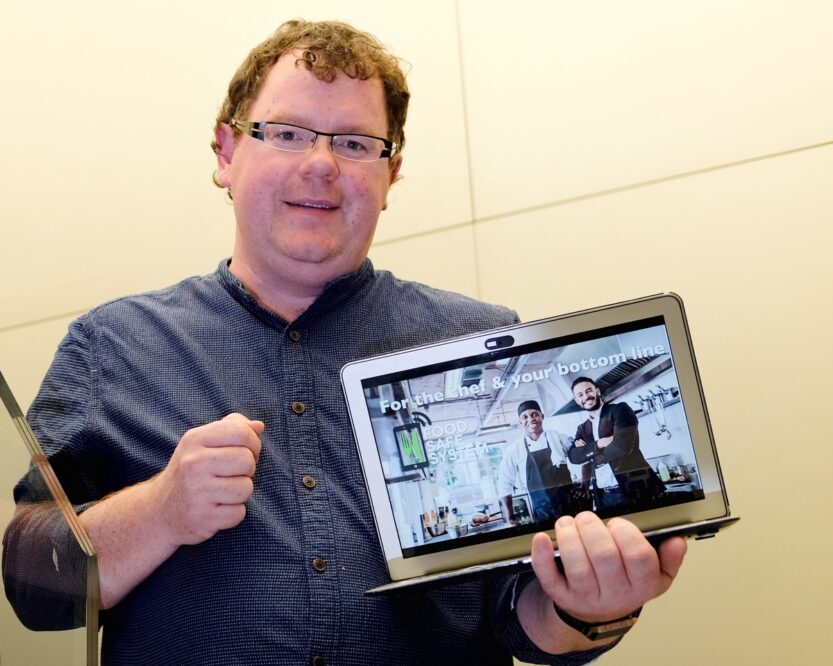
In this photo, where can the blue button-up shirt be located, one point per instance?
(287, 585)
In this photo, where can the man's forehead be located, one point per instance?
(290, 87)
(584, 386)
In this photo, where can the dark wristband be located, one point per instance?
(599, 630)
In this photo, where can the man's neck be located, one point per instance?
(288, 299)
(534, 441)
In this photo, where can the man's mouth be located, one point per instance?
(318, 205)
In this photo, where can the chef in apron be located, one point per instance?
(536, 463)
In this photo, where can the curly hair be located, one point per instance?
(327, 48)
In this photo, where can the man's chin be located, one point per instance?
(311, 253)
(325, 253)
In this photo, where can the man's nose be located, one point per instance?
(320, 160)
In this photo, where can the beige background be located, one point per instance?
(560, 155)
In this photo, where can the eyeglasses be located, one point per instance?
(283, 136)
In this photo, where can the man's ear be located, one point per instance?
(393, 174)
(224, 140)
(395, 166)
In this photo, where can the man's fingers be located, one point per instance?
(603, 553)
(649, 569)
(578, 570)
(257, 426)
(608, 569)
(639, 557)
(227, 516)
(250, 433)
(233, 430)
(233, 490)
(233, 461)
(196, 463)
(543, 564)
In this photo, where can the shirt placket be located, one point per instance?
(315, 519)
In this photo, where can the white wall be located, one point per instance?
(560, 155)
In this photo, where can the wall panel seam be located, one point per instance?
(611, 191)
(472, 224)
(467, 141)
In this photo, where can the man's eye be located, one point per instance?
(356, 145)
(352, 144)
(287, 135)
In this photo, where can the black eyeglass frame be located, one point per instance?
(255, 129)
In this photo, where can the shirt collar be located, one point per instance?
(335, 292)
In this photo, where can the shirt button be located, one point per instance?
(298, 407)
(318, 661)
(308, 481)
(294, 335)
(319, 565)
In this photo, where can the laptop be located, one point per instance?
(438, 430)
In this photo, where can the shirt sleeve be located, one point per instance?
(44, 568)
(510, 633)
(560, 447)
(625, 434)
(507, 478)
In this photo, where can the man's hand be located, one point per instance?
(604, 442)
(201, 490)
(609, 571)
(208, 479)
(507, 511)
(580, 442)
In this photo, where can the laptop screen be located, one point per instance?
(502, 443)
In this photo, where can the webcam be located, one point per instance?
(500, 342)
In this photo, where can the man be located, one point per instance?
(610, 435)
(536, 463)
(203, 435)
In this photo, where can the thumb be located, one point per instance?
(671, 553)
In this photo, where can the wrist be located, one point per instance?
(595, 631)
(155, 500)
